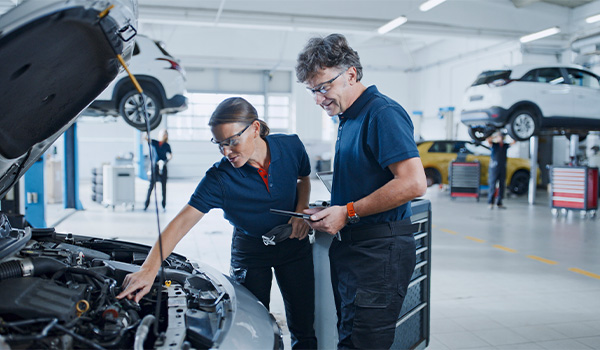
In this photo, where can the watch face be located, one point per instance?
(353, 219)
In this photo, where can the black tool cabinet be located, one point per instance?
(464, 179)
(412, 327)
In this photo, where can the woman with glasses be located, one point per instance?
(258, 172)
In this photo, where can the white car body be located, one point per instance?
(161, 77)
(528, 99)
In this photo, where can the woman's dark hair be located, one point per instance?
(237, 110)
(320, 53)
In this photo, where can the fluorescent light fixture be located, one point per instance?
(593, 19)
(392, 24)
(541, 34)
(428, 5)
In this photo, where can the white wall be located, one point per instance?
(100, 140)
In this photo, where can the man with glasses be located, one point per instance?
(377, 172)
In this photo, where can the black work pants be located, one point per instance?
(369, 280)
(496, 174)
(162, 177)
(252, 263)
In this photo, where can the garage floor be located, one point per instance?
(502, 279)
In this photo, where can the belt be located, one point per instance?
(387, 229)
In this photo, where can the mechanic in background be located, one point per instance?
(497, 169)
(258, 172)
(161, 154)
(377, 172)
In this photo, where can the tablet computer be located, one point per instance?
(327, 178)
(291, 213)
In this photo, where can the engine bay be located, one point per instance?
(59, 292)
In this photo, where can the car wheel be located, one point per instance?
(522, 125)
(130, 108)
(519, 183)
(433, 177)
(479, 134)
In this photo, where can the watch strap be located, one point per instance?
(350, 208)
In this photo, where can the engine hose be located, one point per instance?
(42, 265)
(29, 267)
(142, 332)
(10, 269)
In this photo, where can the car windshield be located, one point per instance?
(490, 76)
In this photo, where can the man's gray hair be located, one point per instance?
(329, 52)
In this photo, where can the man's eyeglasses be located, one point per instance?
(231, 141)
(321, 87)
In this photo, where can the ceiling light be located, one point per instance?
(593, 19)
(541, 34)
(392, 24)
(428, 5)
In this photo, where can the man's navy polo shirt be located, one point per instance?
(242, 193)
(498, 156)
(160, 150)
(374, 132)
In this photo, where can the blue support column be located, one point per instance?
(141, 160)
(71, 170)
(35, 206)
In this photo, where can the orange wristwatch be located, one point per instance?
(352, 216)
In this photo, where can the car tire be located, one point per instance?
(130, 108)
(522, 125)
(433, 177)
(479, 134)
(519, 182)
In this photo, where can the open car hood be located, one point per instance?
(56, 57)
(59, 291)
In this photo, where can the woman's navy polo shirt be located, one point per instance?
(242, 193)
(374, 132)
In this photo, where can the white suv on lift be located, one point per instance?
(529, 99)
(162, 78)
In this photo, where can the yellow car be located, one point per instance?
(437, 155)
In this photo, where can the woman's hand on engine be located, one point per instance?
(137, 284)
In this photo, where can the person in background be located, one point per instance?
(377, 172)
(497, 169)
(258, 172)
(161, 154)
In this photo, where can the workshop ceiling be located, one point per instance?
(268, 34)
(566, 3)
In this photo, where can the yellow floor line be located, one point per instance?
(449, 231)
(585, 273)
(537, 258)
(551, 262)
(506, 249)
(474, 239)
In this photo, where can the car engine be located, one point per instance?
(58, 291)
